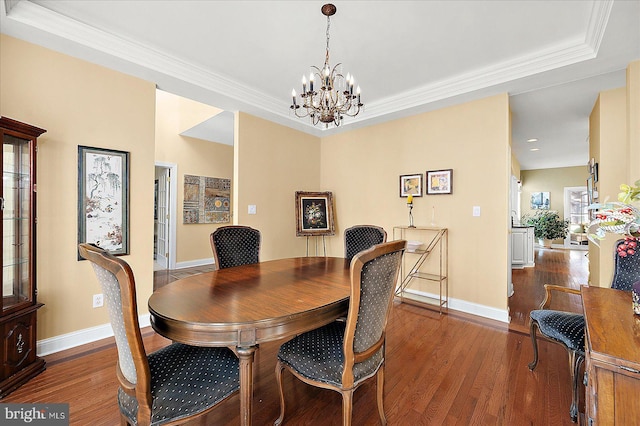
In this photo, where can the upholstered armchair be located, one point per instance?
(568, 328)
(169, 386)
(344, 354)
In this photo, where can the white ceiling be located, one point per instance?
(552, 57)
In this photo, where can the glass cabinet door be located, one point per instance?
(17, 222)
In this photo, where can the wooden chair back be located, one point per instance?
(361, 237)
(235, 245)
(119, 289)
(374, 275)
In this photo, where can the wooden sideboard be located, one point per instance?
(612, 362)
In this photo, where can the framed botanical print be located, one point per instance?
(103, 198)
(314, 213)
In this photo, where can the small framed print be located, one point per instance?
(411, 185)
(440, 182)
(314, 214)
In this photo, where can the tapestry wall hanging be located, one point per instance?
(206, 200)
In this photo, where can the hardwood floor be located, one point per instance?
(452, 369)
(568, 268)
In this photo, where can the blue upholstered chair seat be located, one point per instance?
(185, 380)
(565, 327)
(318, 355)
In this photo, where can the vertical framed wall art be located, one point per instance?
(314, 214)
(103, 198)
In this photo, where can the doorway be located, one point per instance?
(164, 235)
(576, 211)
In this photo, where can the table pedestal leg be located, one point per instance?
(246, 355)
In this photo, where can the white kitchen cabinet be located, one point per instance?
(522, 253)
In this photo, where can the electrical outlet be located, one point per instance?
(98, 300)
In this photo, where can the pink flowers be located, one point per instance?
(629, 247)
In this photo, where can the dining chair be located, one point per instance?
(169, 386)
(361, 237)
(235, 245)
(343, 354)
(568, 328)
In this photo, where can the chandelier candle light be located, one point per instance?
(335, 97)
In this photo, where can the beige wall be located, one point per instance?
(175, 114)
(79, 104)
(362, 169)
(633, 120)
(272, 163)
(553, 181)
(608, 146)
(614, 129)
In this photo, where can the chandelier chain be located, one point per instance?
(326, 59)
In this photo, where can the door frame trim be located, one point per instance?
(173, 208)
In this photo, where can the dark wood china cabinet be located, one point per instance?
(18, 304)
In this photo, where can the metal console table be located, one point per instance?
(431, 264)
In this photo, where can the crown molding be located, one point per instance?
(53, 23)
(543, 60)
(556, 56)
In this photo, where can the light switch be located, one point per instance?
(252, 209)
(476, 210)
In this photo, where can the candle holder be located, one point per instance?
(410, 205)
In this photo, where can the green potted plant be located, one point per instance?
(547, 226)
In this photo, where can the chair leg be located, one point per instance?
(534, 342)
(575, 361)
(347, 407)
(279, 371)
(380, 396)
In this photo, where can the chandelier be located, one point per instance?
(335, 97)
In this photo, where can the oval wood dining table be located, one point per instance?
(246, 305)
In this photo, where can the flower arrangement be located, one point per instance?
(623, 218)
(620, 217)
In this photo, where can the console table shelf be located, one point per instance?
(428, 265)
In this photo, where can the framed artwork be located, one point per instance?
(411, 185)
(314, 214)
(206, 200)
(540, 201)
(103, 198)
(440, 182)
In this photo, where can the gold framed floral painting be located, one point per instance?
(314, 214)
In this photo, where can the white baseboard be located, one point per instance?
(80, 337)
(92, 334)
(468, 307)
(192, 263)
